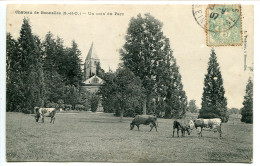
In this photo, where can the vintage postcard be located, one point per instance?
(130, 83)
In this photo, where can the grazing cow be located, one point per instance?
(44, 112)
(182, 125)
(145, 120)
(211, 124)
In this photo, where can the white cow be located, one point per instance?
(45, 112)
(212, 124)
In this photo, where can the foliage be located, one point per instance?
(42, 73)
(148, 55)
(79, 107)
(13, 83)
(94, 100)
(192, 107)
(121, 93)
(234, 111)
(247, 110)
(28, 89)
(214, 102)
(99, 71)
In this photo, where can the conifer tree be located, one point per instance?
(31, 71)
(147, 54)
(214, 102)
(247, 110)
(13, 92)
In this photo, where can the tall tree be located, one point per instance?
(54, 85)
(75, 74)
(192, 107)
(121, 93)
(31, 72)
(13, 92)
(145, 53)
(99, 71)
(214, 102)
(247, 110)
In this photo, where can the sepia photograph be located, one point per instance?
(129, 83)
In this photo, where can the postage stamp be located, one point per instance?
(223, 25)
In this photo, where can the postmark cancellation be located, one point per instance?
(223, 25)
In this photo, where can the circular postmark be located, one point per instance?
(199, 14)
(217, 17)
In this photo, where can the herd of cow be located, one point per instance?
(182, 125)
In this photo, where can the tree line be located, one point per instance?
(147, 81)
(42, 73)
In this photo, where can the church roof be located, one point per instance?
(92, 54)
(94, 80)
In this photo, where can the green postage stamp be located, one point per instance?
(223, 25)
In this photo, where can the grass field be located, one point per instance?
(100, 137)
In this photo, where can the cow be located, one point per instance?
(211, 124)
(182, 125)
(45, 112)
(145, 120)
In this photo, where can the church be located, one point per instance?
(91, 81)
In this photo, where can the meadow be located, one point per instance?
(100, 137)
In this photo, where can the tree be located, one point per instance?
(94, 100)
(30, 69)
(214, 102)
(192, 106)
(247, 109)
(123, 93)
(99, 71)
(146, 53)
(233, 111)
(176, 99)
(54, 85)
(74, 72)
(13, 92)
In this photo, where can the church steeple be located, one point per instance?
(92, 53)
(91, 62)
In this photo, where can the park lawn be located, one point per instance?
(100, 137)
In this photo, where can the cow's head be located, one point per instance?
(188, 130)
(37, 114)
(132, 126)
(191, 124)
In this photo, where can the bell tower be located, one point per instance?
(91, 62)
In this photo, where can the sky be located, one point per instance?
(107, 32)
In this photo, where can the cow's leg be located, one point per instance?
(219, 130)
(42, 117)
(53, 119)
(153, 125)
(199, 131)
(173, 132)
(137, 127)
(182, 132)
(178, 132)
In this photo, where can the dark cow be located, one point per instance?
(45, 112)
(145, 120)
(209, 124)
(182, 125)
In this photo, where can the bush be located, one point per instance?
(52, 105)
(67, 107)
(94, 102)
(79, 107)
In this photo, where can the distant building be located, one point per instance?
(91, 81)
(90, 65)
